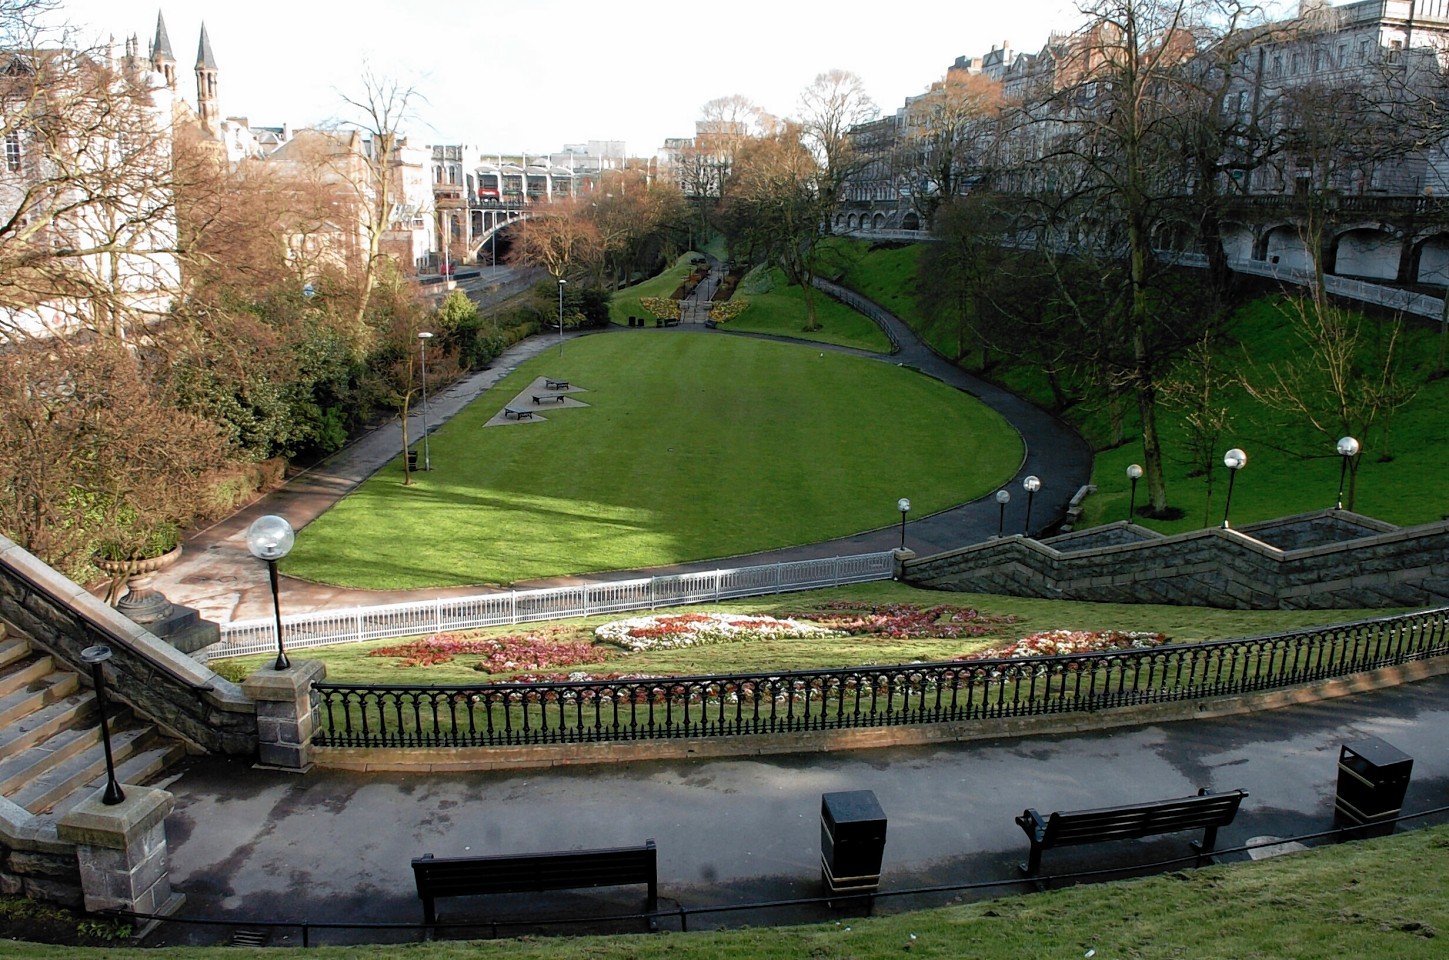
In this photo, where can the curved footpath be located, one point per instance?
(217, 576)
(334, 846)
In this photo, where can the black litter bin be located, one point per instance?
(852, 841)
(412, 459)
(1372, 779)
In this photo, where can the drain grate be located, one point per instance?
(250, 938)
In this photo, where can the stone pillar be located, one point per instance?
(901, 555)
(286, 713)
(121, 850)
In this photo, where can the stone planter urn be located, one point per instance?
(141, 604)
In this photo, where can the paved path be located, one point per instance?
(217, 575)
(250, 844)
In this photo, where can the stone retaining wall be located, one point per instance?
(34, 862)
(1326, 560)
(183, 697)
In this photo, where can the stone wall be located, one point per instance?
(183, 697)
(1383, 566)
(34, 862)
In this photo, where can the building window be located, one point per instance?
(12, 152)
(1277, 65)
(1363, 51)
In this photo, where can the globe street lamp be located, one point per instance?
(904, 506)
(270, 538)
(1003, 497)
(1234, 460)
(561, 282)
(423, 339)
(1347, 450)
(1134, 473)
(1031, 484)
(96, 656)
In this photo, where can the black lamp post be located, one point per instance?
(1234, 460)
(561, 282)
(1134, 473)
(423, 339)
(904, 506)
(1347, 450)
(96, 656)
(270, 538)
(1031, 484)
(1003, 497)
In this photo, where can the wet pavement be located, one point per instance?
(250, 846)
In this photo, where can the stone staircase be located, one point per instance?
(51, 755)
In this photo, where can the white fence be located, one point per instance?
(556, 603)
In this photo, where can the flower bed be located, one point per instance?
(499, 654)
(674, 631)
(1059, 642)
(906, 620)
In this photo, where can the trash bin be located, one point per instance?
(1372, 779)
(412, 459)
(852, 841)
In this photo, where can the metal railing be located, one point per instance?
(300, 631)
(586, 711)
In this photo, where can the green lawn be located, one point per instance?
(692, 447)
(780, 310)
(625, 303)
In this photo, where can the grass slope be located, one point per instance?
(692, 447)
(780, 310)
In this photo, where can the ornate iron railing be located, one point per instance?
(516, 714)
(352, 624)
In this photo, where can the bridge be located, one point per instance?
(488, 218)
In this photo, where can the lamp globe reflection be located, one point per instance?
(270, 538)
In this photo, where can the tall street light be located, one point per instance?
(1134, 473)
(1031, 485)
(1234, 460)
(1347, 450)
(1003, 497)
(270, 538)
(904, 506)
(423, 339)
(96, 656)
(561, 282)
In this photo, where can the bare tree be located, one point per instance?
(830, 106)
(949, 131)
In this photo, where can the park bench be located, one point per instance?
(535, 873)
(555, 384)
(1206, 810)
(555, 398)
(517, 413)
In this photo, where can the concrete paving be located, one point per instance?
(217, 576)
(250, 845)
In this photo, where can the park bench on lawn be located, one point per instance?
(555, 398)
(517, 413)
(1206, 810)
(555, 384)
(535, 873)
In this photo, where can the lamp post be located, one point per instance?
(561, 282)
(96, 656)
(1031, 484)
(904, 506)
(270, 538)
(1234, 460)
(1003, 497)
(1347, 450)
(423, 339)
(1134, 473)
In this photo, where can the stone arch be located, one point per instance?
(911, 221)
(1367, 251)
(1239, 242)
(1430, 262)
(878, 222)
(1282, 246)
(851, 223)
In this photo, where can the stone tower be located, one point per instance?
(162, 60)
(208, 111)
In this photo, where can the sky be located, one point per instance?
(532, 76)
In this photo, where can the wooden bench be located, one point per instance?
(555, 384)
(555, 398)
(1206, 810)
(517, 413)
(534, 873)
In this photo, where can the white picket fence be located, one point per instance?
(555, 603)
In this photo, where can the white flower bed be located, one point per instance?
(673, 631)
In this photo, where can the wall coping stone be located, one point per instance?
(119, 825)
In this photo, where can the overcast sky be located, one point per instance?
(533, 75)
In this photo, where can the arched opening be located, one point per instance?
(1368, 253)
(911, 221)
(1432, 257)
(1284, 248)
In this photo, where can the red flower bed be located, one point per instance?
(498, 654)
(904, 620)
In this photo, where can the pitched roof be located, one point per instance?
(204, 57)
(161, 46)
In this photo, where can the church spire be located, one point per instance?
(207, 108)
(162, 59)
